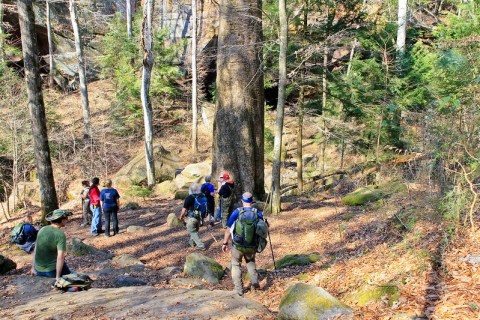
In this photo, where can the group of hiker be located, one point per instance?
(244, 226)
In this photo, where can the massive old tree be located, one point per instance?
(37, 108)
(238, 146)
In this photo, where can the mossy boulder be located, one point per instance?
(181, 194)
(6, 264)
(173, 221)
(76, 247)
(199, 266)
(132, 206)
(370, 293)
(304, 302)
(372, 193)
(165, 189)
(296, 260)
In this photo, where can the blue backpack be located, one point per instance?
(22, 233)
(200, 206)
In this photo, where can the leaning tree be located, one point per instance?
(239, 112)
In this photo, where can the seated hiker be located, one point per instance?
(49, 254)
(242, 229)
(225, 196)
(209, 191)
(87, 214)
(193, 216)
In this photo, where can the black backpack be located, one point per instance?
(22, 233)
(200, 207)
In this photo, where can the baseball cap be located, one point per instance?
(247, 197)
(225, 176)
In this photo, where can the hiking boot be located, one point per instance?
(107, 235)
(255, 287)
(94, 234)
(239, 292)
(100, 231)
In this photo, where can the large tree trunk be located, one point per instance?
(37, 108)
(50, 43)
(194, 78)
(402, 26)
(282, 83)
(239, 118)
(147, 49)
(81, 70)
(129, 19)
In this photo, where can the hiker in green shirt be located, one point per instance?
(50, 250)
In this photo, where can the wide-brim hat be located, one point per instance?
(58, 214)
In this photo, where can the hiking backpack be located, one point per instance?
(73, 282)
(200, 207)
(22, 233)
(245, 229)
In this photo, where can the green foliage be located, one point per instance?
(269, 138)
(138, 191)
(122, 62)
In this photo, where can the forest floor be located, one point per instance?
(399, 242)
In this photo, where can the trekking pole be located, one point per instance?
(209, 231)
(271, 247)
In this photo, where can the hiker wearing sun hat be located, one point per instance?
(225, 196)
(49, 254)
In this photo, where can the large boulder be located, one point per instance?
(372, 193)
(195, 172)
(165, 189)
(199, 266)
(303, 301)
(135, 171)
(6, 264)
(77, 247)
(296, 260)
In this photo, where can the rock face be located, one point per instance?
(173, 221)
(199, 266)
(303, 301)
(6, 265)
(165, 188)
(143, 302)
(195, 172)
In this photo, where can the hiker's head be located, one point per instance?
(85, 183)
(95, 181)
(194, 188)
(58, 217)
(208, 178)
(108, 184)
(225, 177)
(247, 199)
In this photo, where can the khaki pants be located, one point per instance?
(225, 206)
(192, 227)
(237, 271)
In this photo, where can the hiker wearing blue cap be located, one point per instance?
(50, 250)
(242, 226)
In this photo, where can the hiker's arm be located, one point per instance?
(60, 262)
(33, 272)
(226, 237)
(182, 215)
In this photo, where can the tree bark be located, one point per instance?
(324, 104)
(36, 105)
(194, 79)
(147, 49)
(300, 142)
(81, 71)
(282, 83)
(2, 55)
(50, 43)
(238, 129)
(129, 18)
(402, 27)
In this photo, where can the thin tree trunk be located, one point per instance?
(147, 49)
(282, 83)
(48, 194)
(129, 19)
(300, 141)
(352, 54)
(402, 28)
(2, 54)
(50, 43)
(81, 71)
(324, 104)
(238, 129)
(194, 79)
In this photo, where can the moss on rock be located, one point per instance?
(372, 193)
(303, 301)
(369, 293)
(296, 260)
(199, 266)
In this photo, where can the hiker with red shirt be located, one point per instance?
(94, 193)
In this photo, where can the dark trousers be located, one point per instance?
(111, 214)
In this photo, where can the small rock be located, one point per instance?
(199, 266)
(170, 271)
(471, 258)
(129, 282)
(126, 260)
(76, 247)
(181, 194)
(187, 283)
(173, 221)
(132, 206)
(137, 229)
(6, 264)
